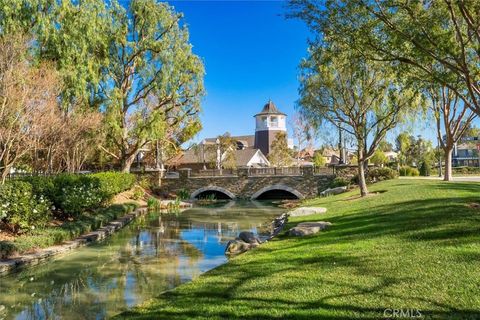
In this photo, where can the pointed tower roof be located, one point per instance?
(271, 109)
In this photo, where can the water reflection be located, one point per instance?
(153, 254)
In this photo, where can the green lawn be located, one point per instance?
(415, 245)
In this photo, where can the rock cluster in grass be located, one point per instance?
(306, 211)
(308, 228)
(247, 240)
(333, 191)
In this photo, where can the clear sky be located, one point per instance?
(251, 54)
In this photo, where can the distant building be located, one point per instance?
(465, 153)
(251, 150)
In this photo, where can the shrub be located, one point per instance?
(425, 168)
(407, 171)
(183, 194)
(381, 174)
(340, 182)
(76, 193)
(20, 208)
(112, 183)
(137, 193)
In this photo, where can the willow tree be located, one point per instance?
(151, 72)
(360, 97)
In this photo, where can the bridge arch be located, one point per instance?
(213, 189)
(280, 187)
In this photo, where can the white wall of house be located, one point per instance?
(258, 159)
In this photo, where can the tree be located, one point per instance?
(280, 156)
(72, 35)
(303, 133)
(385, 146)
(151, 72)
(361, 97)
(27, 101)
(224, 152)
(379, 158)
(452, 119)
(402, 143)
(319, 159)
(435, 41)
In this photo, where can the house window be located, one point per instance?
(274, 122)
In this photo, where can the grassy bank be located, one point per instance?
(51, 235)
(414, 245)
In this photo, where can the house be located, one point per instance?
(251, 150)
(391, 155)
(465, 153)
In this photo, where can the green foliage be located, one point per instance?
(381, 174)
(153, 79)
(21, 208)
(319, 160)
(280, 153)
(407, 171)
(112, 183)
(183, 194)
(425, 168)
(76, 193)
(379, 158)
(340, 182)
(465, 170)
(153, 204)
(49, 236)
(137, 193)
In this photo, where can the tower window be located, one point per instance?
(274, 122)
(264, 121)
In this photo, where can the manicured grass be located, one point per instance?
(415, 245)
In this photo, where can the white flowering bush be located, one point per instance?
(20, 208)
(76, 193)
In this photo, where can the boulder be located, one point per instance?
(306, 211)
(333, 191)
(249, 237)
(308, 228)
(237, 246)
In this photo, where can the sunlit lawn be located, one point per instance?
(415, 245)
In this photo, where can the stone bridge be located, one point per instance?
(250, 183)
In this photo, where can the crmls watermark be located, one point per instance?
(402, 313)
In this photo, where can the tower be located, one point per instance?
(269, 122)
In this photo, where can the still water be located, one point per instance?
(154, 253)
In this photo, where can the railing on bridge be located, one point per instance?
(280, 171)
(214, 173)
(323, 170)
(255, 172)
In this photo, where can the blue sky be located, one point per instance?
(251, 54)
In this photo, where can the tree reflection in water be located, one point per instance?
(153, 254)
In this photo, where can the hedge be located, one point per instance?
(28, 203)
(407, 171)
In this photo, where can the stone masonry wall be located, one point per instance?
(244, 186)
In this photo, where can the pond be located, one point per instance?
(157, 252)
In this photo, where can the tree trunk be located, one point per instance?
(448, 163)
(127, 161)
(3, 176)
(361, 178)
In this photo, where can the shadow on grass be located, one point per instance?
(235, 292)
